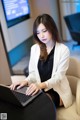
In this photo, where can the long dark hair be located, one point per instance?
(50, 25)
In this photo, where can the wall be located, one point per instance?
(16, 34)
(19, 52)
(47, 6)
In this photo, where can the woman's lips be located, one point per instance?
(44, 39)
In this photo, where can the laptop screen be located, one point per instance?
(5, 76)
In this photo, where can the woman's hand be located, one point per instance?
(32, 89)
(18, 84)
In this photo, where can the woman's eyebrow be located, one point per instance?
(44, 29)
(41, 29)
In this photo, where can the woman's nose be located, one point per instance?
(42, 35)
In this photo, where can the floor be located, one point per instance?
(74, 49)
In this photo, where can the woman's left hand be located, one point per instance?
(32, 89)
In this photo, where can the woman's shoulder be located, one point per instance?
(62, 46)
(35, 47)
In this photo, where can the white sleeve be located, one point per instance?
(31, 77)
(60, 71)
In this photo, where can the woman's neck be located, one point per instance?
(49, 46)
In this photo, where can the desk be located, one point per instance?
(39, 109)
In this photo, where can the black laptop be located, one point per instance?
(17, 97)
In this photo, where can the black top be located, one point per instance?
(45, 67)
(45, 71)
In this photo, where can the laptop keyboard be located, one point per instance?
(21, 97)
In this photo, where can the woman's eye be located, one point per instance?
(37, 33)
(41, 32)
(44, 30)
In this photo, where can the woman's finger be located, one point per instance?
(35, 92)
(31, 89)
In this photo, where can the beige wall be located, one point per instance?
(46, 6)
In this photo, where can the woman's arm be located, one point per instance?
(31, 77)
(61, 69)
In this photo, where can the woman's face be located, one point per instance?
(43, 34)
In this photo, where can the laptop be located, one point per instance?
(5, 75)
(17, 97)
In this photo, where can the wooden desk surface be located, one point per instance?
(40, 109)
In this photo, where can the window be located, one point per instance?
(78, 7)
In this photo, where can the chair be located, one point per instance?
(73, 75)
(72, 22)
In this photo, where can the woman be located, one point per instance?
(49, 61)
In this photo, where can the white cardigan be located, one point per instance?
(58, 80)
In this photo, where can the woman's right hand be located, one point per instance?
(18, 84)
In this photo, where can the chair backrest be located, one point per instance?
(72, 22)
(74, 67)
(73, 73)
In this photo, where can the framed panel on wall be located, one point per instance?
(15, 11)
